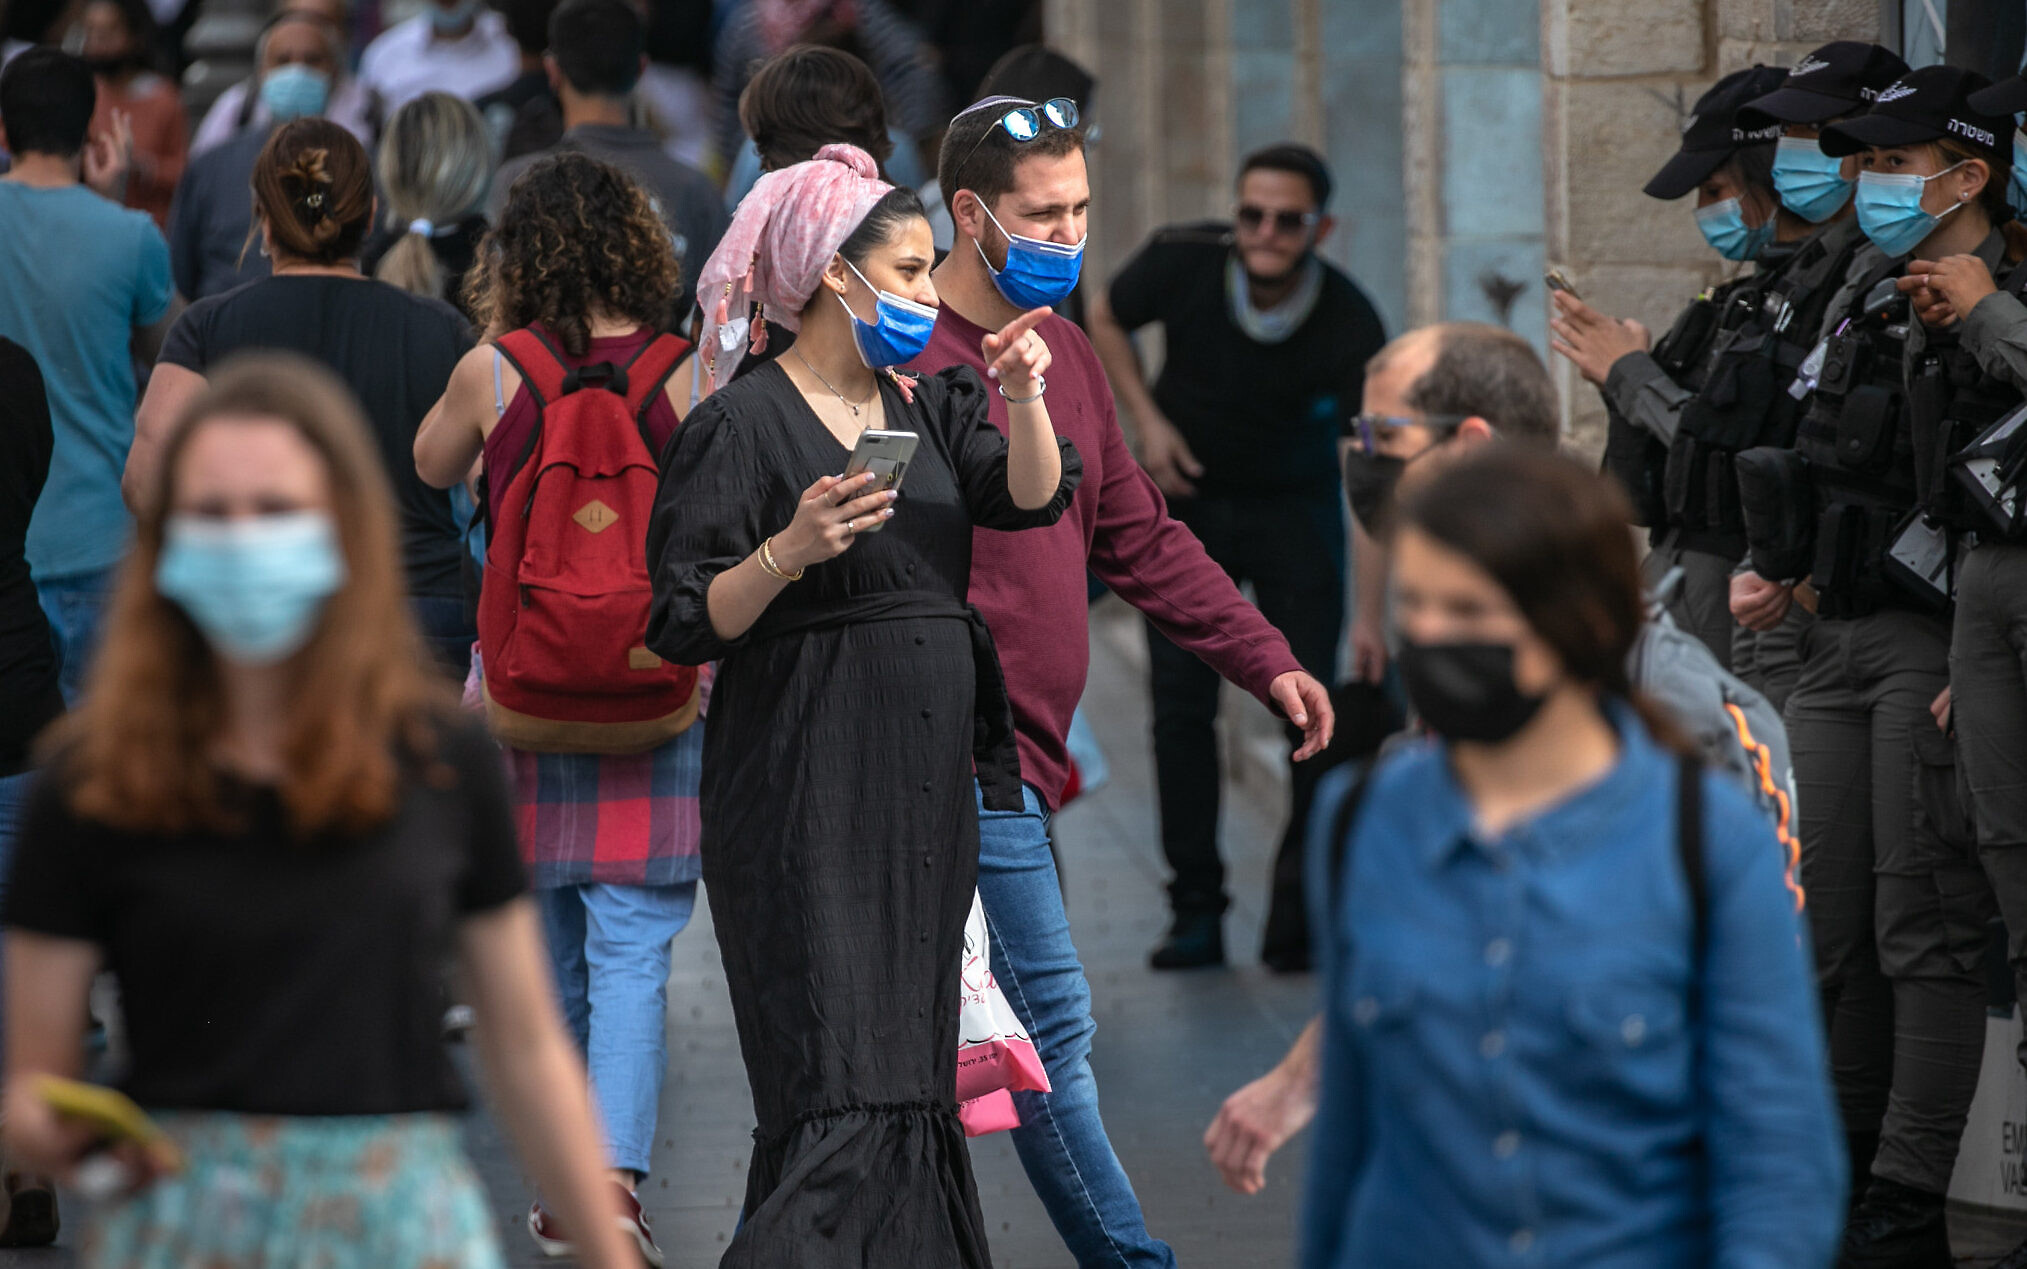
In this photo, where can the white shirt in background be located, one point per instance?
(408, 60)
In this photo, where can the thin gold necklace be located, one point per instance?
(827, 383)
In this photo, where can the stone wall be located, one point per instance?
(1474, 141)
(1188, 87)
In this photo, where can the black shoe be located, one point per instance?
(1194, 941)
(1897, 1227)
(31, 1219)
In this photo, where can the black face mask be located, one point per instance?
(1466, 691)
(1369, 481)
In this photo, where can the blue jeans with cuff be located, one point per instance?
(1061, 1140)
(609, 948)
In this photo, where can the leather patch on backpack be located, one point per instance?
(642, 659)
(596, 517)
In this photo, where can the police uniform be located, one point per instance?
(1831, 82)
(1654, 441)
(1984, 359)
(1898, 904)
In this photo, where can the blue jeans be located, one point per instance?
(1061, 1140)
(13, 804)
(609, 947)
(75, 606)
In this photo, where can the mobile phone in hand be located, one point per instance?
(886, 455)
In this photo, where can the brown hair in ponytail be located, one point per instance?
(313, 185)
(1557, 538)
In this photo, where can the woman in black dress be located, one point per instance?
(840, 838)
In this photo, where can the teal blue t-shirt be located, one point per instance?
(81, 273)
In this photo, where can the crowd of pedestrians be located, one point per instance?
(497, 472)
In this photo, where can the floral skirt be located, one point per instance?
(288, 1192)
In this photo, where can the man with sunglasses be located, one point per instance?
(1012, 174)
(1266, 348)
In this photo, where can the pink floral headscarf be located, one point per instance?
(782, 238)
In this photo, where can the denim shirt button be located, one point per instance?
(1365, 1011)
(1493, 1044)
(1506, 1145)
(1633, 1030)
(1521, 1242)
(1498, 952)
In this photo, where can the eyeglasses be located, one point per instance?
(1284, 222)
(1024, 123)
(1369, 429)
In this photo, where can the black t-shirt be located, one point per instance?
(28, 664)
(1263, 419)
(266, 974)
(456, 248)
(396, 350)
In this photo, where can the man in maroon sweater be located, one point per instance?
(1019, 208)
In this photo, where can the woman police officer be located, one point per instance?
(1898, 902)
(1655, 443)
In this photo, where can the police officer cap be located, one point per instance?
(1712, 134)
(1837, 79)
(2007, 97)
(1925, 105)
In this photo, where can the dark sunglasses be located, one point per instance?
(1367, 429)
(1024, 123)
(1285, 222)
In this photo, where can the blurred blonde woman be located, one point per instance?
(435, 170)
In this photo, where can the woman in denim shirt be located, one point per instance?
(1535, 1050)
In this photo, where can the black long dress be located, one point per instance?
(840, 828)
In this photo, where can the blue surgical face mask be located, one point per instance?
(1811, 183)
(2016, 188)
(1724, 228)
(898, 332)
(1038, 273)
(254, 587)
(456, 18)
(295, 92)
(1890, 210)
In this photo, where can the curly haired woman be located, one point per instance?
(313, 205)
(581, 271)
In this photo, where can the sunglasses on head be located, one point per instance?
(1286, 222)
(1024, 123)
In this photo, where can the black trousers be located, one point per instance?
(1897, 904)
(1988, 672)
(1292, 551)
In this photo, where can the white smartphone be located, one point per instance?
(886, 455)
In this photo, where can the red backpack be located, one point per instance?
(563, 612)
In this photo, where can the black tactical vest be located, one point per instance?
(1856, 433)
(1952, 400)
(1743, 399)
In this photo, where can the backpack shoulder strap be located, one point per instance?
(1689, 846)
(647, 373)
(537, 361)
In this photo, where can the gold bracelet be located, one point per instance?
(769, 567)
